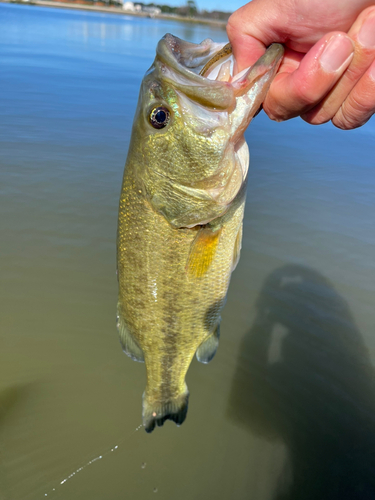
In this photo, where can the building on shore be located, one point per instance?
(129, 6)
(152, 11)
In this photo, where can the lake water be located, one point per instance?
(286, 410)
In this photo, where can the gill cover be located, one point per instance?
(196, 162)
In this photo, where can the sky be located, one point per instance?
(224, 5)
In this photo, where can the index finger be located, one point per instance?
(248, 46)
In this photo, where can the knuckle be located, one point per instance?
(233, 24)
(281, 102)
(356, 106)
(230, 25)
(367, 12)
(305, 95)
(277, 113)
(343, 122)
(275, 117)
(352, 114)
(273, 109)
(316, 117)
(354, 72)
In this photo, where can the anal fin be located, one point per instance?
(129, 345)
(207, 350)
(202, 251)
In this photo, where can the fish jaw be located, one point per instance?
(251, 89)
(207, 121)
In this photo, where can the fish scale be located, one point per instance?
(179, 228)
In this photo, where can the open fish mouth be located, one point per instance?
(209, 109)
(211, 65)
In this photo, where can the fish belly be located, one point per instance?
(164, 313)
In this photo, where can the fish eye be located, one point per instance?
(159, 117)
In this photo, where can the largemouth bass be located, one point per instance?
(181, 211)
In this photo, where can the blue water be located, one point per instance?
(286, 409)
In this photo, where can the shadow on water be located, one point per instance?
(10, 398)
(304, 377)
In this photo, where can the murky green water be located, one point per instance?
(286, 410)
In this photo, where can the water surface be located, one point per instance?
(286, 410)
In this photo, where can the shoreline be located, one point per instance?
(116, 10)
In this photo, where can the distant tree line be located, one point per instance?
(190, 9)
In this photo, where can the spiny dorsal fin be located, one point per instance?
(202, 251)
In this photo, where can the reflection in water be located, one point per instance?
(304, 376)
(85, 30)
(188, 31)
(10, 398)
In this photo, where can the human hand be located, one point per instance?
(328, 71)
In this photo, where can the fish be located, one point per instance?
(181, 211)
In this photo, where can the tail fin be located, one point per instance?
(175, 410)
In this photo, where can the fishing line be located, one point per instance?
(90, 462)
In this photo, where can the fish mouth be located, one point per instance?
(185, 57)
(215, 108)
(183, 62)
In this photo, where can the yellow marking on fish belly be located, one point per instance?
(202, 252)
(225, 51)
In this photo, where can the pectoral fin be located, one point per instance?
(129, 345)
(237, 248)
(207, 350)
(202, 251)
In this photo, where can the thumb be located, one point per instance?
(254, 27)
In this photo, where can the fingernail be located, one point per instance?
(366, 35)
(337, 53)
